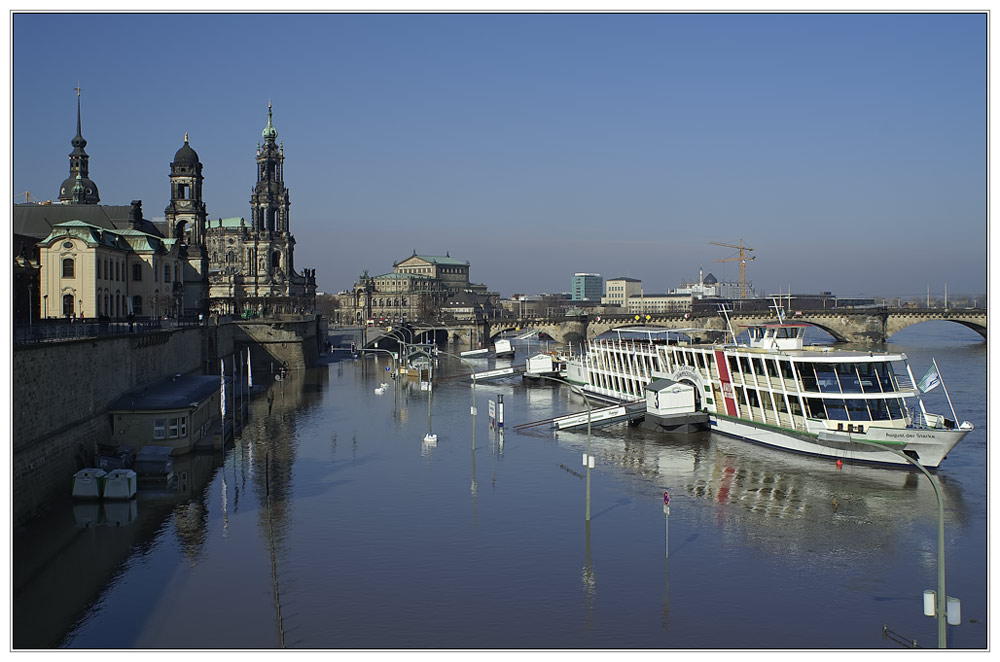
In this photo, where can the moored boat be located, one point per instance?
(772, 389)
(503, 348)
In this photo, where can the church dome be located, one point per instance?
(186, 155)
(90, 194)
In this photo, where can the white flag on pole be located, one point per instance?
(249, 371)
(222, 387)
(930, 380)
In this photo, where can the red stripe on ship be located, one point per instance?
(727, 387)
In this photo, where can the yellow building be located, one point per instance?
(90, 271)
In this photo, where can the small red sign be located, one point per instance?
(666, 498)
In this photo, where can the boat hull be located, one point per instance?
(929, 447)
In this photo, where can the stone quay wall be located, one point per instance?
(292, 343)
(62, 390)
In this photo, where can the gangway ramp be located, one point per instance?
(617, 413)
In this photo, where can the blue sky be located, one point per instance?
(849, 150)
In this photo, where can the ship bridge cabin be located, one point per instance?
(777, 336)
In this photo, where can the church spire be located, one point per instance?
(79, 168)
(269, 133)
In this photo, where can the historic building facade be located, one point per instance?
(251, 266)
(229, 266)
(90, 271)
(420, 288)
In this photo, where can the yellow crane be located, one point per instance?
(743, 262)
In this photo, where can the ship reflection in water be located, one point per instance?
(771, 498)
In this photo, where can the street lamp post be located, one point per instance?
(940, 607)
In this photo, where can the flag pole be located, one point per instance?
(938, 370)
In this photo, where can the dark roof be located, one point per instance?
(626, 279)
(710, 280)
(186, 155)
(171, 393)
(35, 220)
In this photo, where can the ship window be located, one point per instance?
(752, 397)
(826, 379)
(895, 411)
(869, 379)
(848, 378)
(796, 408)
(884, 375)
(807, 375)
(786, 369)
(732, 366)
(836, 410)
(816, 409)
(878, 410)
(758, 365)
(858, 410)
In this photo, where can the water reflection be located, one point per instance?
(772, 499)
(77, 548)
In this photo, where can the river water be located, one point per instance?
(331, 524)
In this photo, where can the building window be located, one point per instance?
(137, 305)
(175, 272)
(173, 428)
(160, 428)
(69, 268)
(136, 271)
(166, 273)
(184, 426)
(68, 305)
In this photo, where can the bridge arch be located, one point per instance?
(897, 323)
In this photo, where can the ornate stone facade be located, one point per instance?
(419, 289)
(251, 266)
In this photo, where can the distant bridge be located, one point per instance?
(873, 325)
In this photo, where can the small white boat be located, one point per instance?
(475, 353)
(430, 437)
(548, 364)
(503, 349)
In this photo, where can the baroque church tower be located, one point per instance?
(269, 202)
(78, 187)
(252, 265)
(185, 220)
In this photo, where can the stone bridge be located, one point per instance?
(865, 326)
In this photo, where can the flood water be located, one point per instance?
(330, 523)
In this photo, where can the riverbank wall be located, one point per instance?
(61, 391)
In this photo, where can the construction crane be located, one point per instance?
(743, 263)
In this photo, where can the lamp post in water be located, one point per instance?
(939, 610)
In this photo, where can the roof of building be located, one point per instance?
(447, 260)
(710, 279)
(461, 300)
(232, 223)
(126, 240)
(403, 275)
(37, 220)
(626, 279)
(185, 155)
(177, 392)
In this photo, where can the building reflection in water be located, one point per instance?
(99, 537)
